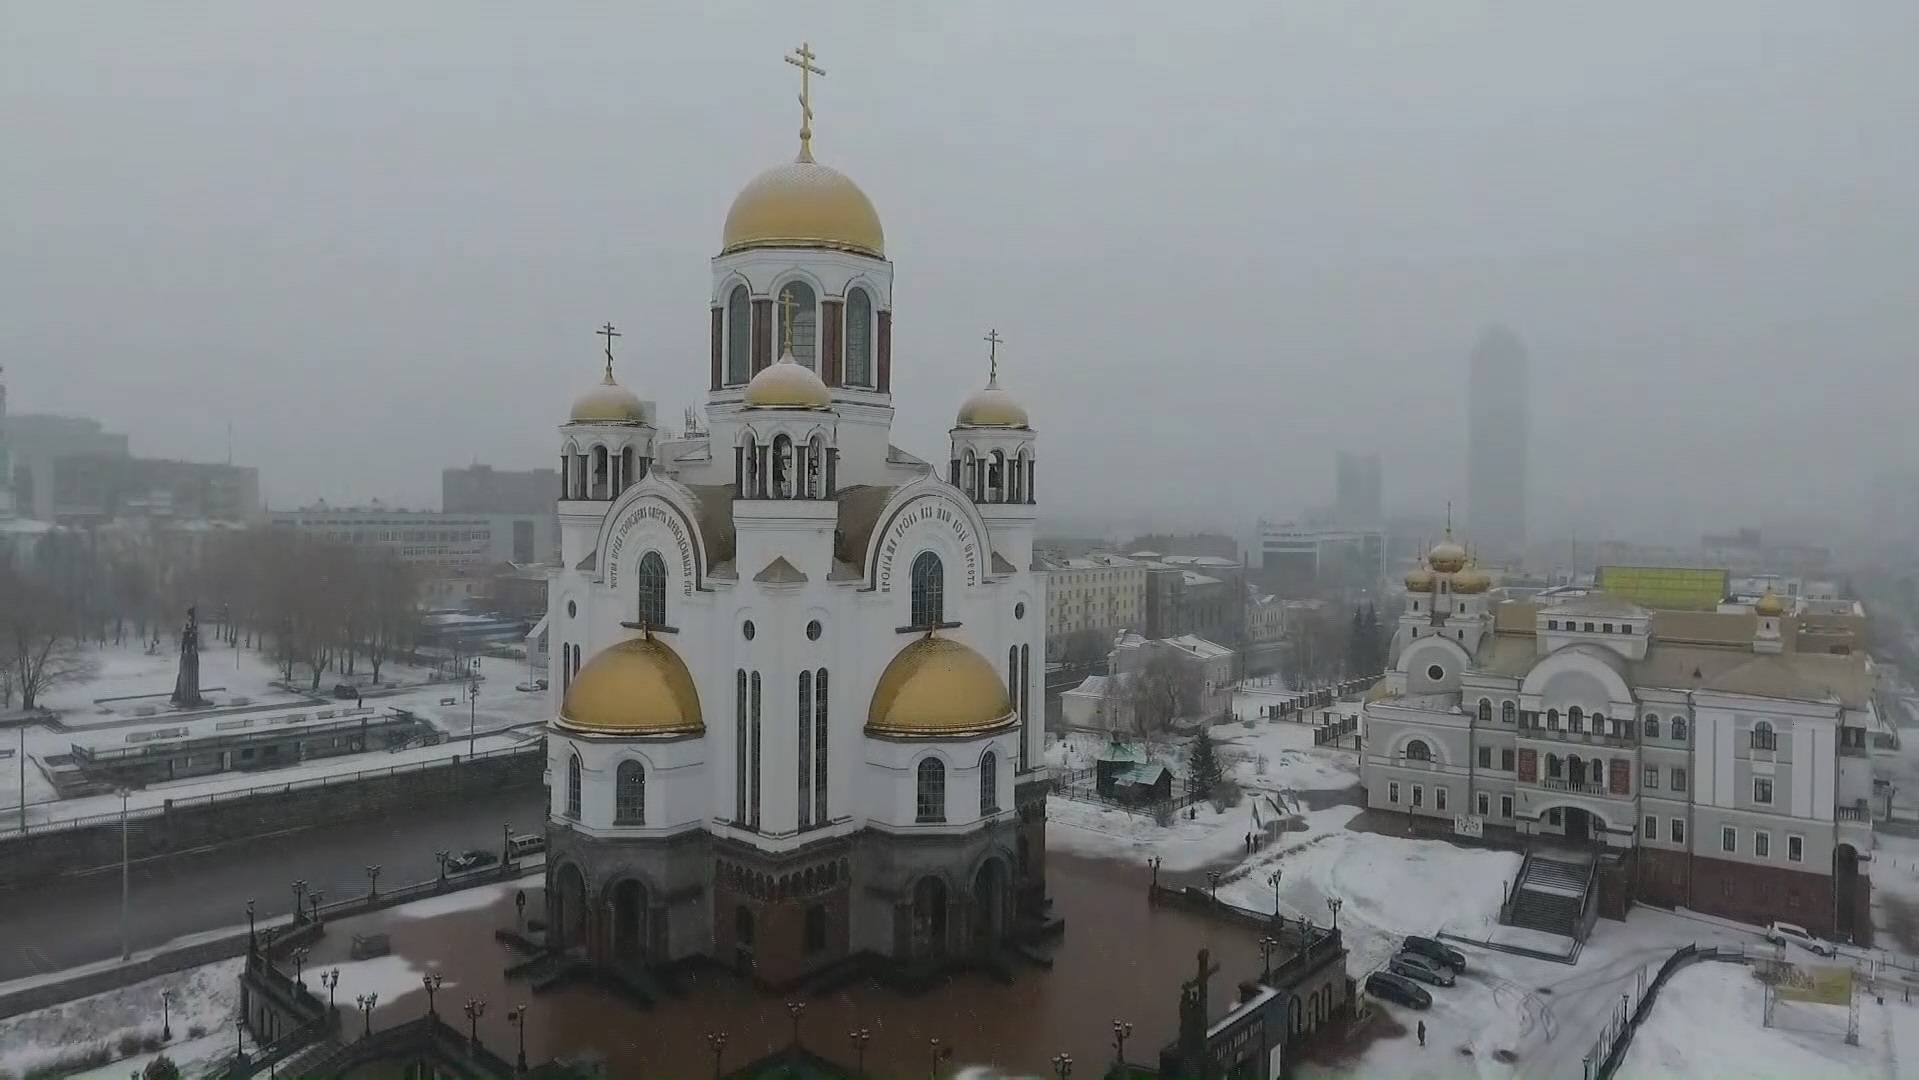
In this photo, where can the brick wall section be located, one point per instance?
(36, 855)
(1664, 876)
(1761, 894)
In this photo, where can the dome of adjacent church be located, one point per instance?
(1419, 579)
(608, 403)
(1446, 557)
(1472, 580)
(992, 407)
(937, 688)
(1770, 604)
(637, 687)
(803, 204)
(787, 384)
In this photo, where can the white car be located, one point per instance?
(1780, 933)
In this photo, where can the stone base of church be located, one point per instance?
(921, 902)
(1736, 890)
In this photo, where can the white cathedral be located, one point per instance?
(796, 671)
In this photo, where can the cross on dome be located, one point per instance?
(992, 340)
(609, 334)
(803, 58)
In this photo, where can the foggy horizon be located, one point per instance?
(1221, 244)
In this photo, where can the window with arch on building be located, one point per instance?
(929, 804)
(806, 750)
(1555, 769)
(1763, 736)
(929, 591)
(988, 784)
(1679, 728)
(573, 787)
(819, 747)
(1485, 711)
(753, 722)
(629, 795)
(652, 587)
(739, 336)
(739, 746)
(798, 296)
(1417, 750)
(1652, 725)
(859, 338)
(816, 468)
(1508, 712)
(969, 475)
(1576, 718)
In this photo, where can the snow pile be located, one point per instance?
(205, 997)
(1707, 1022)
(473, 899)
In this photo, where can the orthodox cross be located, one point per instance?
(993, 341)
(609, 334)
(803, 58)
(788, 305)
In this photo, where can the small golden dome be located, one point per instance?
(803, 204)
(637, 687)
(937, 688)
(1419, 579)
(1472, 580)
(1770, 604)
(608, 403)
(1446, 557)
(787, 384)
(992, 407)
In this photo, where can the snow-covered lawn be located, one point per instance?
(1707, 1022)
(204, 997)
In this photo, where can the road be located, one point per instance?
(76, 920)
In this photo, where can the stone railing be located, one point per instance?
(1576, 789)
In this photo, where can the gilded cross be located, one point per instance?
(803, 58)
(993, 342)
(609, 334)
(788, 306)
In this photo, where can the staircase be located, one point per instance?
(1552, 894)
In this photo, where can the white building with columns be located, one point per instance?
(796, 672)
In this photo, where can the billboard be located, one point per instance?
(1821, 984)
(1672, 588)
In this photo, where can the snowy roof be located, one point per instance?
(1193, 578)
(1094, 685)
(1596, 603)
(1147, 774)
(1200, 647)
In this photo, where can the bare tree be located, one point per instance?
(38, 640)
(392, 623)
(1083, 649)
(1162, 689)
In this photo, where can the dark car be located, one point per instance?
(471, 860)
(346, 691)
(1432, 949)
(1424, 968)
(1390, 987)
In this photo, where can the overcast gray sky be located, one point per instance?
(1221, 239)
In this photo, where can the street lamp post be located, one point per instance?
(796, 1009)
(126, 883)
(166, 1015)
(506, 845)
(475, 1008)
(314, 897)
(252, 940)
(373, 881)
(860, 1037)
(1154, 863)
(1121, 1032)
(299, 967)
(1274, 878)
(1334, 903)
(367, 1002)
(717, 1040)
(330, 980)
(299, 899)
(1212, 884)
(472, 714)
(1267, 946)
(517, 1016)
(1062, 1065)
(432, 985)
(940, 1053)
(441, 857)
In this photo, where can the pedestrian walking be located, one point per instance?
(1422, 1033)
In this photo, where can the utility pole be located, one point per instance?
(126, 883)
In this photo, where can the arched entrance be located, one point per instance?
(929, 917)
(628, 931)
(568, 921)
(989, 904)
(1846, 888)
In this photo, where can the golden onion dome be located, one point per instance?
(1419, 579)
(637, 687)
(787, 384)
(937, 688)
(1472, 580)
(992, 407)
(1770, 604)
(803, 204)
(609, 402)
(1446, 557)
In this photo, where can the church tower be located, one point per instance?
(606, 446)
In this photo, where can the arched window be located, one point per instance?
(1025, 699)
(806, 749)
(1485, 711)
(753, 766)
(782, 467)
(749, 469)
(859, 338)
(1417, 750)
(798, 296)
(930, 791)
(816, 468)
(988, 784)
(1575, 719)
(1554, 768)
(739, 746)
(1552, 719)
(652, 585)
(929, 591)
(739, 336)
(600, 470)
(1679, 728)
(1508, 713)
(995, 478)
(573, 787)
(1763, 737)
(1652, 725)
(1016, 491)
(969, 475)
(629, 797)
(819, 747)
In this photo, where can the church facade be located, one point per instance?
(796, 672)
(1720, 760)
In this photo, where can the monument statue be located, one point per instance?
(186, 686)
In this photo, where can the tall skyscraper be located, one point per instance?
(1357, 496)
(1497, 444)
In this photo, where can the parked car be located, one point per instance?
(1424, 968)
(471, 859)
(1434, 949)
(1780, 933)
(1390, 987)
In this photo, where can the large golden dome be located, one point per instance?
(608, 403)
(1446, 557)
(1419, 579)
(803, 204)
(787, 384)
(637, 687)
(992, 407)
(937, 688)
(1472, 580)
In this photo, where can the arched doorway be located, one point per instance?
(1846, 892)
(1578, 823)
(929, 917)
(569, 908)
(629, 922)
(989, 904)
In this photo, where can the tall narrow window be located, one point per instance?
(929, 591)
(573, 787)
(629, 797)
(806, 750)
(741, 743)
(1025, 699)
(819, 748)
(754, 707)
(739, 336)
(1508, 712)
(652, 583)
(930, 803)
(1485, 711)
(1012, 675)
(782, 467)
(798, 296)
(749, 469)
(988, 784)
(816, 468)
(859, 338)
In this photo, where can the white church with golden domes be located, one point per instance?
(796, 671)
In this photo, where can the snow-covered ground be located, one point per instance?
(203, 998)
